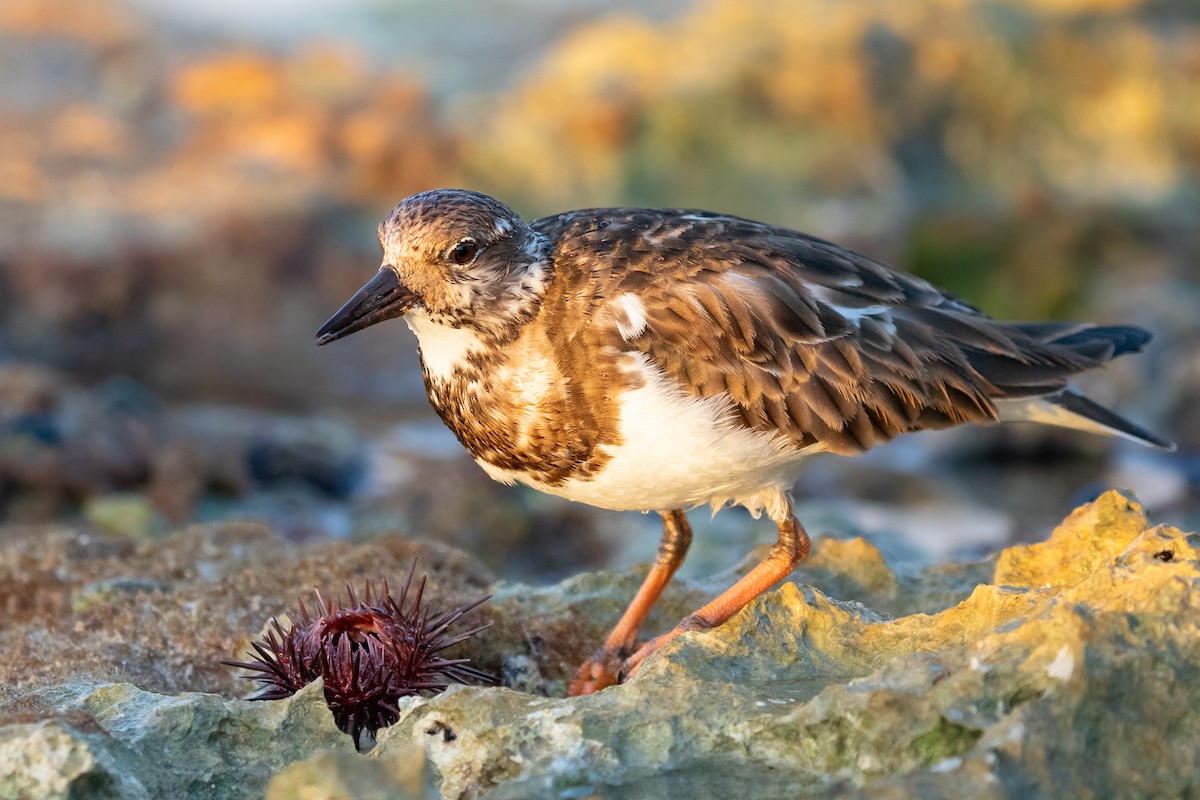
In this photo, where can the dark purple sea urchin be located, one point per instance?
(370, 652)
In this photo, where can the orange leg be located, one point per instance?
(790, 549)
(603, 668)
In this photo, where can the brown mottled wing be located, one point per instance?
(810, 340)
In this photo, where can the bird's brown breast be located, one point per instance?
(543, 407)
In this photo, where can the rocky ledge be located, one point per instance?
(1061, 669)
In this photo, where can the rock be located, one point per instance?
(1093, 535)
(403, 774)
(117, 741)
(322, 453)
(49, 760)
(28, 390)
(111, 590)
(129, 464)
(539, 635)
(126, 514)
(162, 614)
(1063, 690)
(1060, 669)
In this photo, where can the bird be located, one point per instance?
(657, 360)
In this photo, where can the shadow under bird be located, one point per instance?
(656, 360)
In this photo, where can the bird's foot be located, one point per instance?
(598, 672)
(606, 668)
(634, 663)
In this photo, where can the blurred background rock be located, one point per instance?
(186, 193)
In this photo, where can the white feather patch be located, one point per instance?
(631, 317)
(855, 315)
(443, 349)
(1036, 409)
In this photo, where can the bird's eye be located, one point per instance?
(464, 252)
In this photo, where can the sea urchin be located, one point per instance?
(370, 652)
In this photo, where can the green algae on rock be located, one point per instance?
(117, 741)
(1059, 669)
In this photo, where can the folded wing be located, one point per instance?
(826, 346)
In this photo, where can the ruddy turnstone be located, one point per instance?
(655, 360)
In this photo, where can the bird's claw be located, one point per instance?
(598, 672)
(606, 669)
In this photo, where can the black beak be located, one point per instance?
(382, 298)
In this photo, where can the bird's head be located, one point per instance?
(464, 259)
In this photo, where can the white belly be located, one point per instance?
(679, 451)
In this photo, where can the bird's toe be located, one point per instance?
(598, 672)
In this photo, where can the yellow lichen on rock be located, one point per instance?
(854, 566)
(1092, 535)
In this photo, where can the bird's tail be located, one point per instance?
(1035, 387)
(1070, 409)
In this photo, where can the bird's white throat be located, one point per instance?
(443, 349)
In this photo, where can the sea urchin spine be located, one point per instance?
(370, 652)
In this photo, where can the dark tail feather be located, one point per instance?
(1035, 385)
(1122, 339)
(1078, 404)
(1051, 354)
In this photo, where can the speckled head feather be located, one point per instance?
(469, 259)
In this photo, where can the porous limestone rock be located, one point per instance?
(1060, 681)
(403, 774)
(118, 741)
(1061, 669)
